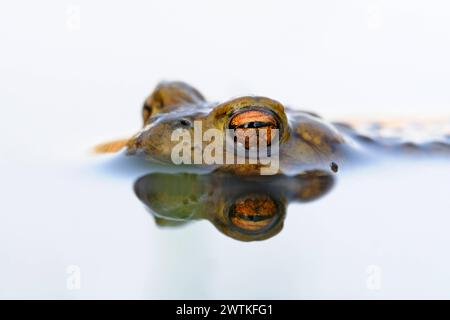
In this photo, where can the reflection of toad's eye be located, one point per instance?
(251, 124)
(253, 212)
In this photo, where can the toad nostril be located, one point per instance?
(185, 123)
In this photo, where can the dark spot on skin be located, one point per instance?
(437, 147)
(186, 123)
(312, 114)
(148, 108)
(147, 112)
(334, 167)
(343, 125)
(365, 139)
(410, 146)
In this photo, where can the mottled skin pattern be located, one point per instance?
(307, 142)
(245, 208)
(237, 200)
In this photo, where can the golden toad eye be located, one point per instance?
(253, 213)
(251, 124)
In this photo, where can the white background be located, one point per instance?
(73, 66)
(76, 73)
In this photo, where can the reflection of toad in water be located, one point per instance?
(245, 208)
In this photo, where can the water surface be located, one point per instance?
(390, 219)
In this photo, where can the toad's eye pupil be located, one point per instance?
(253, 119)
(256, 124)
(252, 125)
